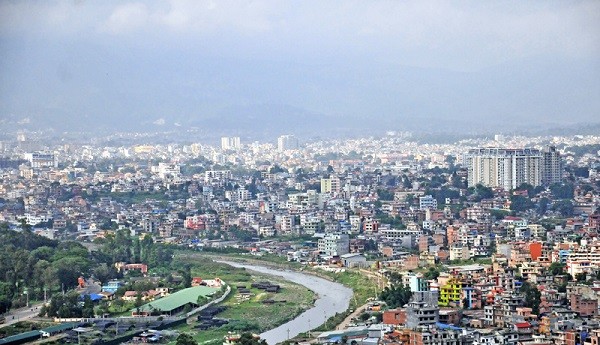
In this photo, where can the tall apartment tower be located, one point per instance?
(552, 167)
(287, 142)
(230, 143)
(504, 168)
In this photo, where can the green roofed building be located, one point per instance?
(22, 338)
(175, 302)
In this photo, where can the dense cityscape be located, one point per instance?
(481, 241)
(268, 172)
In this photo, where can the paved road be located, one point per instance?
(344, 324)
(33, 310)
(91, 287)
(22, 314)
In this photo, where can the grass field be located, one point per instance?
(246, 314)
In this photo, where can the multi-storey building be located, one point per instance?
(334, 244)
(552, 166)
(438, 337)
(422, 310)
(504, 168)
(427, 202)
(287, 142)
(41, 160)
(330, 185)
(583, 260)
(217, 175)
(230, 143)
(450, 293)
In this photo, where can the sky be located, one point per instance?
(246, 65)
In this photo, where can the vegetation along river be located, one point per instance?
(332, 298)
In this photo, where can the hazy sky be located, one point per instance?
(168, 62)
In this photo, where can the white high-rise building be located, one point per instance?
(504, 168)
(230, 143)
(287, 142)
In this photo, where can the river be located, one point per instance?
(332, 298)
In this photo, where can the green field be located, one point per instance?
(249, 314)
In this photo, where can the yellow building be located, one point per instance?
(450, 293)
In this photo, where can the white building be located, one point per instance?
(230, 143)
(287, 142)
(504, 168)
(41, 160)
(167, 169)
(334, 244)
(217, 175)
(427, 202)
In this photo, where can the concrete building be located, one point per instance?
(422, 309)
(330, 185)
(41, 160)
(427, 202)
(287, 142)
(552, 166)
(354, 260)
(504, 168)
(230, 143)
(334, 244)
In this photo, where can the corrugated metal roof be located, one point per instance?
(19, 338)
(179, 299)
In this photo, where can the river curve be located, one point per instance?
(332, 298)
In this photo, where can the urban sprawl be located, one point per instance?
(482, 241)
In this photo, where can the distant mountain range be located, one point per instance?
(113, 91)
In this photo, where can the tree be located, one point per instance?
(564, 207)
(250, 339)
(185, 339)
(556, 268)
(520, 203)
(432, 273)
(69, 269)
(275, 169)
(562, 191)
(532, 297)
(483, 192)
(581, 172)
(543, 205)
(394, 277)
(385, 194)
(186, 274)
(64, 305)
(528, 187)
(88, 307)
(396, 296)
(138, 300)
(118, 304)
(104, 273)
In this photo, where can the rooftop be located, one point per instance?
(179, 299)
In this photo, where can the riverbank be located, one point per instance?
(333, 299)
(364, 284)
(254, 311)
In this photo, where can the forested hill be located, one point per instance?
(29, 263)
